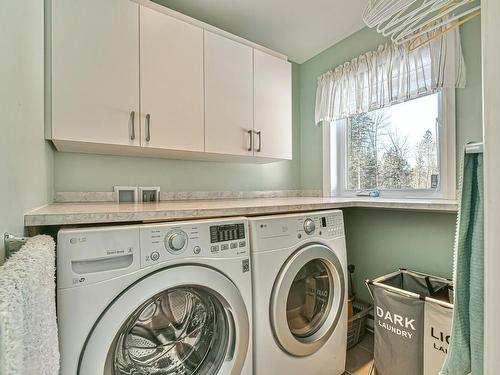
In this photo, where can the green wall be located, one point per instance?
(25, 158)
(381, 241)
(469, 103)
(81, 172)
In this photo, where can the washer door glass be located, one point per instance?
(309, 299)
(182, 330)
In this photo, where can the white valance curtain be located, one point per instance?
(389, 75)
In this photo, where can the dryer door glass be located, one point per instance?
(308, 302)
(308, 299)
(182, 330)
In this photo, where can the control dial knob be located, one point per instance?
(309, 226)
(175, 241)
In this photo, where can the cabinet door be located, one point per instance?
(228, 96)
(273, 106)
(95, 71)
(171, 82)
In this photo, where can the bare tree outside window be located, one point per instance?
(394, 148)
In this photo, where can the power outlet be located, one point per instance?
(149, 194)
(126, 194)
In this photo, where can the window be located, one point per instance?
(405, 150)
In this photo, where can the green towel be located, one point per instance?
(465, 354)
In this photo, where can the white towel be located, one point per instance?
(28, 327)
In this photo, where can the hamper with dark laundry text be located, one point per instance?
(412, 322)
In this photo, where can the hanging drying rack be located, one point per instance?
(418, 22)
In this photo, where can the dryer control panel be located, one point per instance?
(329, 225)
(283, 231)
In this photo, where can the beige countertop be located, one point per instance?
(108, 212)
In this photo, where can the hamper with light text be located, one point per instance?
(412, 324)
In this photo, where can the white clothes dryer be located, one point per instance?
(172, 298)
(300, 297)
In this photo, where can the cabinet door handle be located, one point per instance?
(132, 120)
(259, 134)
(250, 134)
(148, 127)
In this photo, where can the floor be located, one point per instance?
(359, 358)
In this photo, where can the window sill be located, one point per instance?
(418, 204)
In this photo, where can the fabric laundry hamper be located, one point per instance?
(412, 327)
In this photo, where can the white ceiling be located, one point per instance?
(299, 29)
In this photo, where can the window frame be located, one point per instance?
(335, 151)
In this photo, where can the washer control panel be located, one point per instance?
(210, 238)
(176, 241)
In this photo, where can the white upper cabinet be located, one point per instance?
(95, 71)
(272, 106)
(130, 79)
(228, 96)
(171, 83)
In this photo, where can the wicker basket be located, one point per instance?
(357, 324)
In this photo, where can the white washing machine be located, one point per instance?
(300, 294)
(173, 298)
